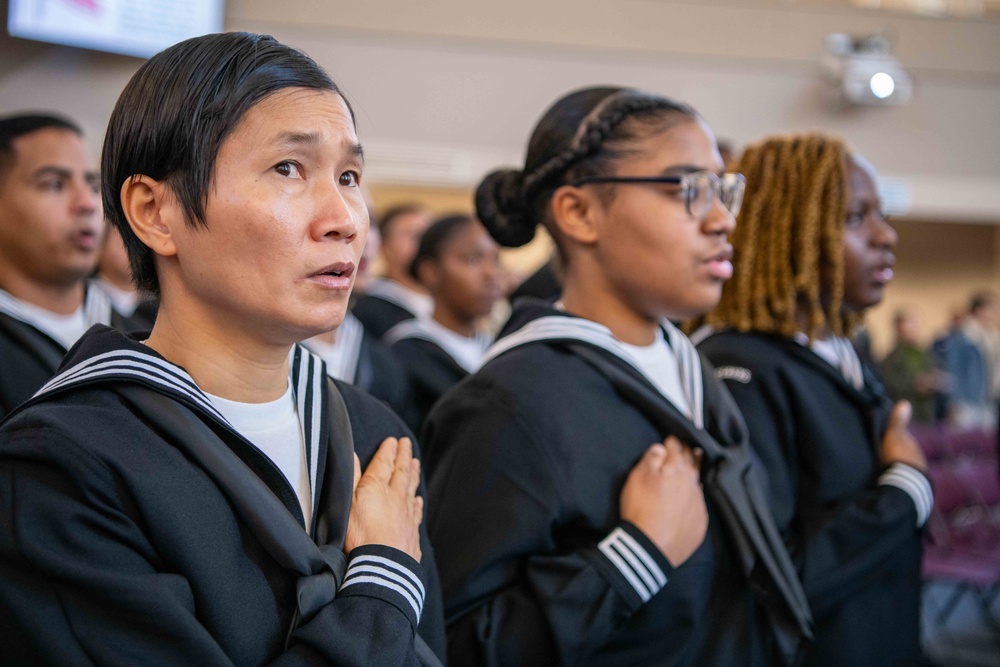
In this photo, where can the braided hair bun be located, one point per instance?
(502, 207)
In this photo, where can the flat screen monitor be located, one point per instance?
(133, 27)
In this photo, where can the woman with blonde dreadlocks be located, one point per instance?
(812, 251)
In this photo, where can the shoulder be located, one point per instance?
(742, 356)
(86, 432)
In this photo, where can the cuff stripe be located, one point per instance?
(392, 565)
(370, 569)
(631, 560)
(915, 485)
(387, 584)
(383, 573)
(651, 566)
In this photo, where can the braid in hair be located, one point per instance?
(788, 244)
(506, 200)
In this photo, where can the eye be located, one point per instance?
(854, 218)
(288, 169)
(55, 185)
(350, 179)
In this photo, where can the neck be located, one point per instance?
(329, 337)
(223, 362)
(62, 299)
(449, 319)
(586, 295)
(404, 279)
(802, 317)
(124, 283)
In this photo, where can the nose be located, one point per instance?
(85, 201)
(340, 213)
(883, 234)
(719, 220)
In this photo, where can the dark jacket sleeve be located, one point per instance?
(81, 582)
(839, 548)
(515, 592)
(372, 423)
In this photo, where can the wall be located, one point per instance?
(938, 266)
(447, 89)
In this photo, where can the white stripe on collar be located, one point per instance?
(466, 352)
(559, 327)
(307, 372)
(96, 306)
(343, 355)
(839, 352)
(414, 302)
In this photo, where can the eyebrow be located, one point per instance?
(51, 170)
(685, 169)
(312, 138)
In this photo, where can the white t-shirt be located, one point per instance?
(466, 351)
(64, 329)
(124, 301)
(660, 365)
(275, 429)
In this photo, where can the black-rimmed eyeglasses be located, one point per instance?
(700, 189)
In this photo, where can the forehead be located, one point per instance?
(861, 178)
(50, 146)
(688, 142)
(298, 112)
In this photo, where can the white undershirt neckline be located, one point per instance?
(275, 429)
(659, 364)
(467, 351)
(64, 329)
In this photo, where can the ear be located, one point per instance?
(574, 213)
(153, 212)
(429, 274)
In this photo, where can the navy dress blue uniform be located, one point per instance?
(526, 461)
(140, 528)
(855, 541)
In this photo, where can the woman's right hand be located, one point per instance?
(664, 499)
(898, 444)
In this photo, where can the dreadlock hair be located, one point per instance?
(788, 245)
(580, 136)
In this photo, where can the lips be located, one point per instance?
(883, 272)
(84, 239)
(720, 264)
(334, 276)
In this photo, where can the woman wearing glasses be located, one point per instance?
(592, 500)
(813, 251)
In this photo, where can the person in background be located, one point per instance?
(459, 264)
(114, 277)
(963, 402)
(592, 496)
(397, 296)
(848, 483)
(196, 496)
(908, 372)
(354, 355)
(364, 276)
(51, 233)
(981, 328)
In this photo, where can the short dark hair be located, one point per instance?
(582, 135)
(18, 125)
(389, 218)
(177, 110)
(435, 237)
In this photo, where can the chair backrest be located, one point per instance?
(980, 478)
(950, 491)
